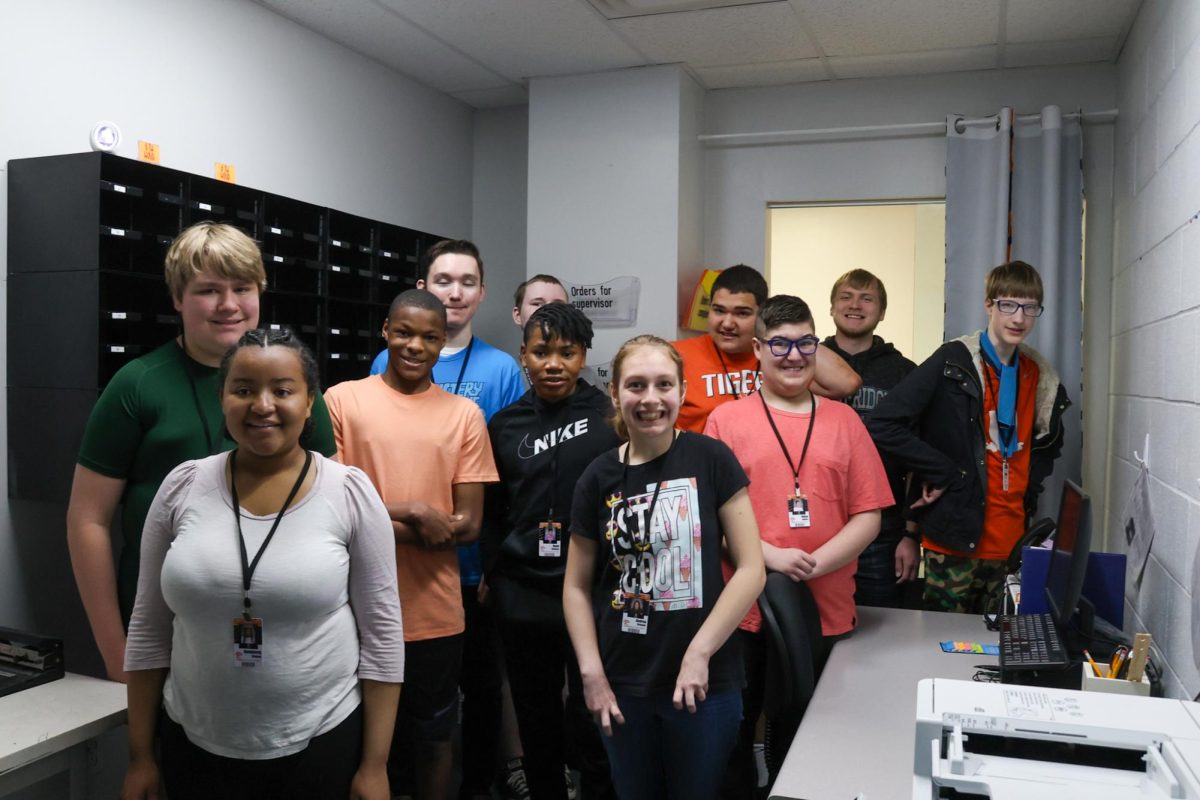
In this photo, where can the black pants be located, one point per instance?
(875, 581)
(322, 770)
(480, 684)
(553, 734)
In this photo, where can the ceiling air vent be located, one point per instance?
(620, 9)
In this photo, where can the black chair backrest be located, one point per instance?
(792, 625)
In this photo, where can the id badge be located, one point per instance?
(550, 539)
(247, 642)
(798, 511)
(636, 618)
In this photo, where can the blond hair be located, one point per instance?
(214, 247)
(862, 280)
(618, 362)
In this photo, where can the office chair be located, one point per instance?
(795, 649)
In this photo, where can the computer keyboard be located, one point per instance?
(1031, 641)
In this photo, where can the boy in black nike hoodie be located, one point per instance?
(542, 443)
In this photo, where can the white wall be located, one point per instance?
(498, 217)
(810, 247)
(222, 80)
(691, 263)
(607, 169)
(1156, 318)
(741, 181)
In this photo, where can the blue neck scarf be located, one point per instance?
(1006, 401)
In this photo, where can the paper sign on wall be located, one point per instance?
(604, 373)
(1138, 520)
(611, 304)
(148, 152)
(697, 313)
(225, 172)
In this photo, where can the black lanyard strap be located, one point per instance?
(812, 418)
(190, 370)
(248, 566)
(725, 371)
(553, 477)
(658, 482)
(463, 369)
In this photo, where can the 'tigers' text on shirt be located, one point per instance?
(722, 383)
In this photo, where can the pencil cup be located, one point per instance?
(1091, 683)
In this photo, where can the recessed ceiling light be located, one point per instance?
(619, 9)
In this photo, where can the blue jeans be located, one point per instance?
(663, 753)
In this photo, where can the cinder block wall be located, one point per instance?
(1156, 319)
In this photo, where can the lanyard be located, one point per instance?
(466, 360)
(1009, 441)
(553, 458)
(248, 567)
(725, 370)
(658, 482)
(189, 369)
(807, 437)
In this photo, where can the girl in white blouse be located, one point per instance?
(267, 621)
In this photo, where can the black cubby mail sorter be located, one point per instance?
(87, 234)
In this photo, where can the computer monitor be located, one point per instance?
(1072, 546)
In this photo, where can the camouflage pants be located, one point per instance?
(962, 584)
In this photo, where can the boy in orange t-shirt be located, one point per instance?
(428, 454)
(979, 424)
(722, 366)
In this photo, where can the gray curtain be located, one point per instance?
(1014, 190)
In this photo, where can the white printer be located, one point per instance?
(1000, 741)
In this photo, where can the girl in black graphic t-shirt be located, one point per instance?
(646, 606)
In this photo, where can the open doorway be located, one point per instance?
(902, 242)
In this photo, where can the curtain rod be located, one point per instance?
(896, 130)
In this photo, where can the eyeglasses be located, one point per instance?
(1009, 307)
(781, 347)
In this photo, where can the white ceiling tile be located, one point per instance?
(1040, 54)
(523, 38)
(495, 98)
(1056, 20)
(865, 27)
(376, 32)
(780, 72)
(927, 63)
(480, 51)
(736, 35)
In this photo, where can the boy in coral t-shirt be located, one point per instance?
(817, 486)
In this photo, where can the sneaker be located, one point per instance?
(572, 788)
(513, 785)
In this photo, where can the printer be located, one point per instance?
(992, 740)
(27, 659)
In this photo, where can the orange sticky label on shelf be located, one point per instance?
(148, 151)
(225, 172)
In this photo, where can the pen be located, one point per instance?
(1095, 669)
